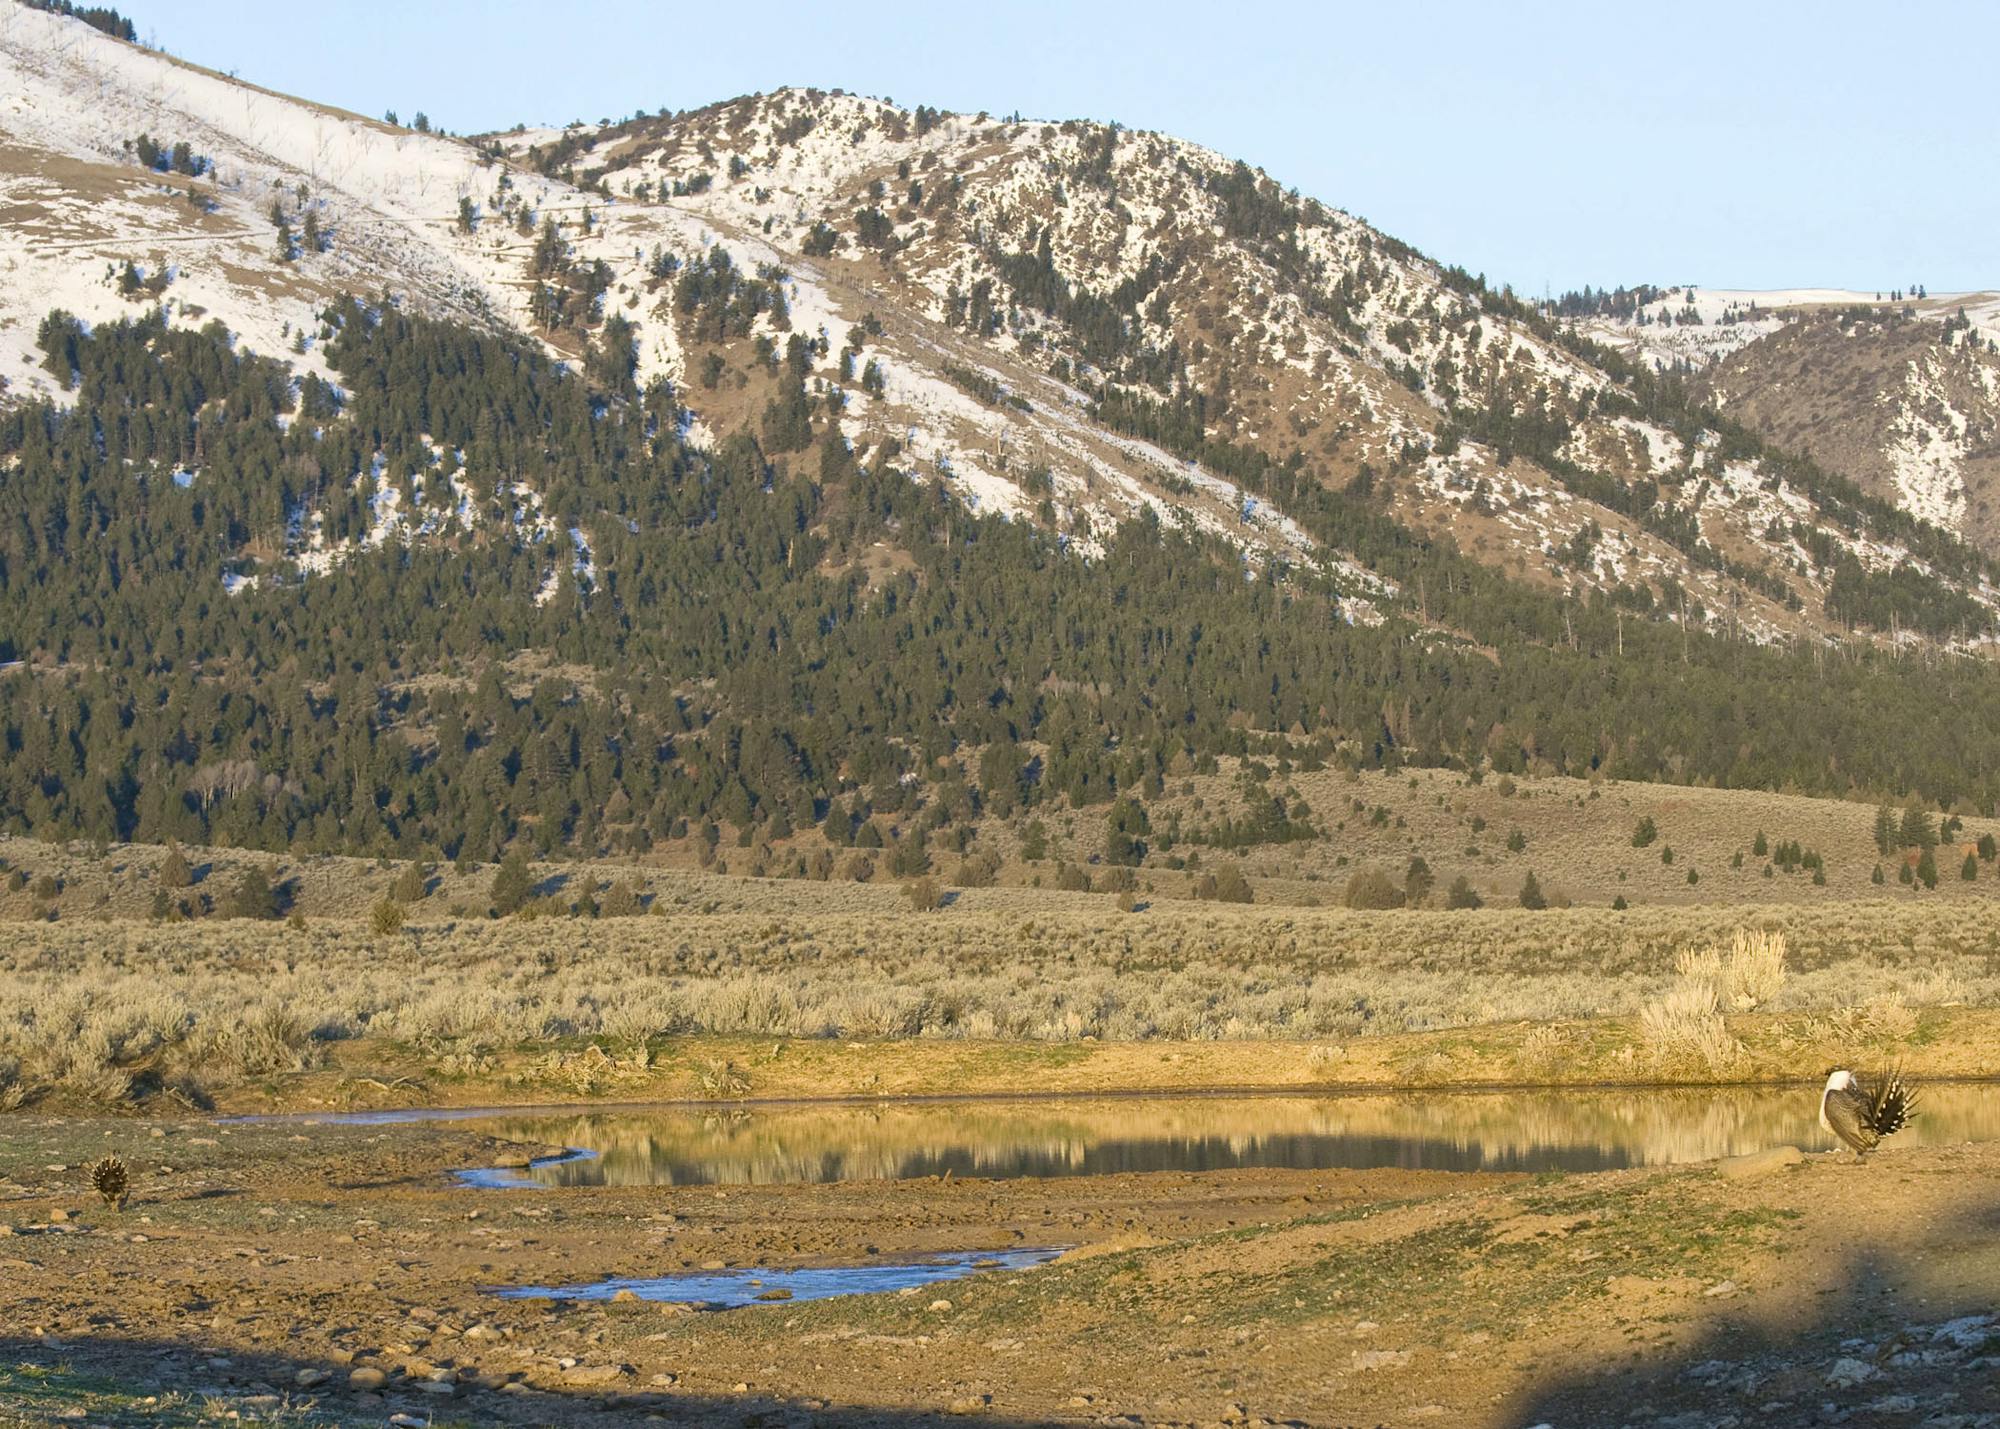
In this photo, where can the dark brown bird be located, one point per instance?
(111, 1181)
(1862, 1115)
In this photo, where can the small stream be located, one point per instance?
(731, 1289)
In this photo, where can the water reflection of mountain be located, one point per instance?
(1462, 1132)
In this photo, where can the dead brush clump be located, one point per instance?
(1748, 975)
(272, 1039)
(586, 1071)
(1427, 1069)
(1880, 1022)
(720, 1081)
(1545, 1050)
(1685, 1027)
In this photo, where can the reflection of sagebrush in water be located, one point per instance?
(96, 1005)
(865, 1143)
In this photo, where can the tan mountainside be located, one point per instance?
(1906, 405)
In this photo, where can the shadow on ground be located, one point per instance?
(1908, 1337)
(156, 1382)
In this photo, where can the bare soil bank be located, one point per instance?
(342, 1271)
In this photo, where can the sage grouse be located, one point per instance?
(1862, 1115)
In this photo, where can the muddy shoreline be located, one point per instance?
(346, 1271)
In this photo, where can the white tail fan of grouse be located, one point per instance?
(1861, 1115)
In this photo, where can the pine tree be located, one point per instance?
(253, 896)
(174, 872)
(1125, 838)
(1531, 896)
(1035, 842)
(512, 884)
(1231, 886)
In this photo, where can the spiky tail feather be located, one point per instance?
(1891, 1105)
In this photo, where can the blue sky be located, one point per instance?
(1751, 144)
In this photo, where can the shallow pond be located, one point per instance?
(1461, 1131)
(728, 1289)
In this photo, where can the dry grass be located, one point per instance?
(1749, 974)
(1685, 1026)
(110, 1010)
(1576, 835)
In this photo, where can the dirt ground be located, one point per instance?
(340, 1274)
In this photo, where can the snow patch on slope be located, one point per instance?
(1926, 448)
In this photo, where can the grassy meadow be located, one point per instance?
(662, 978)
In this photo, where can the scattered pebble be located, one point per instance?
(1380, 1359)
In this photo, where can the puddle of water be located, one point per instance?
(514, 1178)
(729, 1289)
(1521, 1131)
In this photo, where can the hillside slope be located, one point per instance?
(1896, 393)
(1164, 290)
(1065, 323)
(1906, 405)
(852, 483)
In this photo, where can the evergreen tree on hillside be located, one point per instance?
(1127, 828)
(512, 884)
(253, 896)
(1886, 830)
(773, 639)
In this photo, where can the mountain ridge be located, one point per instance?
(1067, 461)
(1328, 378)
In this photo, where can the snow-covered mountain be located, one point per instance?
(1064, 322)
(1905, 401)
(1897, 393)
